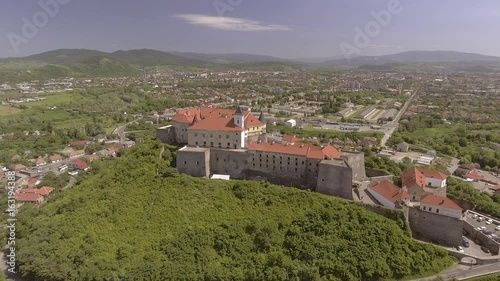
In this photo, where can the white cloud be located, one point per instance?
(227, 23)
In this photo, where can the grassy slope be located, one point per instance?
(129, 221)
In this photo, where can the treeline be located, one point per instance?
(136, 218)
(469, 143)
(482, 202)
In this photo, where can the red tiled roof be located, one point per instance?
(40, 161)
(216, 124)
(55, 157)
(80, 164)
(216, 119)
(432, 199)
(45, 191)
(289, 138)
(428, 173)
(473, 174)
(78, 143)
(28, 197)
(306, 150)
(416, 176)
(389, 191)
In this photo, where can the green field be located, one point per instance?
(57, 99)
(6, 110)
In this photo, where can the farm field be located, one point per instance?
(6, 110)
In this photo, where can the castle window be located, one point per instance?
(310, 163)
(430, 209)
(228, 145)
(424, 208)
(195, 134)
(212, 144)
(220, 145)
(211, 135)
(203, 135)
(197, 163)
(254, 165)
(227, 136)
(323, 180)
(196, 143)
(302, 162)
(317, 165)
(437, 211)
(204, 143)
(185, 162)
(295, 169)
(217, 159)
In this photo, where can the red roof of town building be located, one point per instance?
(213, 119)
(289, 138)
(78, 143)
(80, 164)
(435, 200)
(416, 176)
(28, 197)
(45, 190)
(389, 191)
(307, 150)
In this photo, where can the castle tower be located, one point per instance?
(239, 118)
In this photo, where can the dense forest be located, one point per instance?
(136, 218)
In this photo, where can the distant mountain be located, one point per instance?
(418, 57)
(147, 57)
(231, 58)
(64, 56)
(92, 63)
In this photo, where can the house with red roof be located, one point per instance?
(473, 175)
(441, 205)
(79, 164)
(388, 194)
(420, 181)
(34, 198)
(55, 158)
(40, 161)
(78, 143)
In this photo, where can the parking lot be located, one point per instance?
(473, 219)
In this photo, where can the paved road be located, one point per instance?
(392, 126)
(121, 131)
(461, 272)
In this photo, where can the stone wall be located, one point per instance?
(473, 234)
(231, 162)
(356, 160)
(335, 178)
(194, 161)
(443, 230)
(166, 134)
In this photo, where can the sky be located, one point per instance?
(282, 28)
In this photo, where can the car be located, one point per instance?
(474, 216)
(484, 249)
(493, 236)
(460, 249)
(481, 228)
(490, 221)
(480, 219)
(497, 228)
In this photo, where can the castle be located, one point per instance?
(235, 143)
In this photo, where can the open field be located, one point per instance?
(56, 99)
(6, 110)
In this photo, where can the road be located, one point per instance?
(461, 272)
(393, 125)
(121, 131)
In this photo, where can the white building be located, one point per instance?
(440, 205)
(291, 123)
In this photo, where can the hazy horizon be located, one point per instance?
(290, 30)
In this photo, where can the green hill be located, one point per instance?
(103, 67)
(147, 57)
(135, 218)
(64, 56)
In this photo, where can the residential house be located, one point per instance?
(76, 153)
(473, 175)
(18, 167)
(34, 198)
(403, 147)
(32, 182)
(79, 165)
(40, 162)
(100, 138)
(387, 194)
(419, 182)
(79, 143)
(440, 205)
(55, 158)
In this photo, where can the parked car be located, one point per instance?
(480, 219)
(481, 228)
(460, 249)
(474, 216)
(466, 241)
(497, 228)
(490, 221)
(484, 249)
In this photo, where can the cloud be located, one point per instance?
(227, 23)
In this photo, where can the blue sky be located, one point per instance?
(283, 28)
